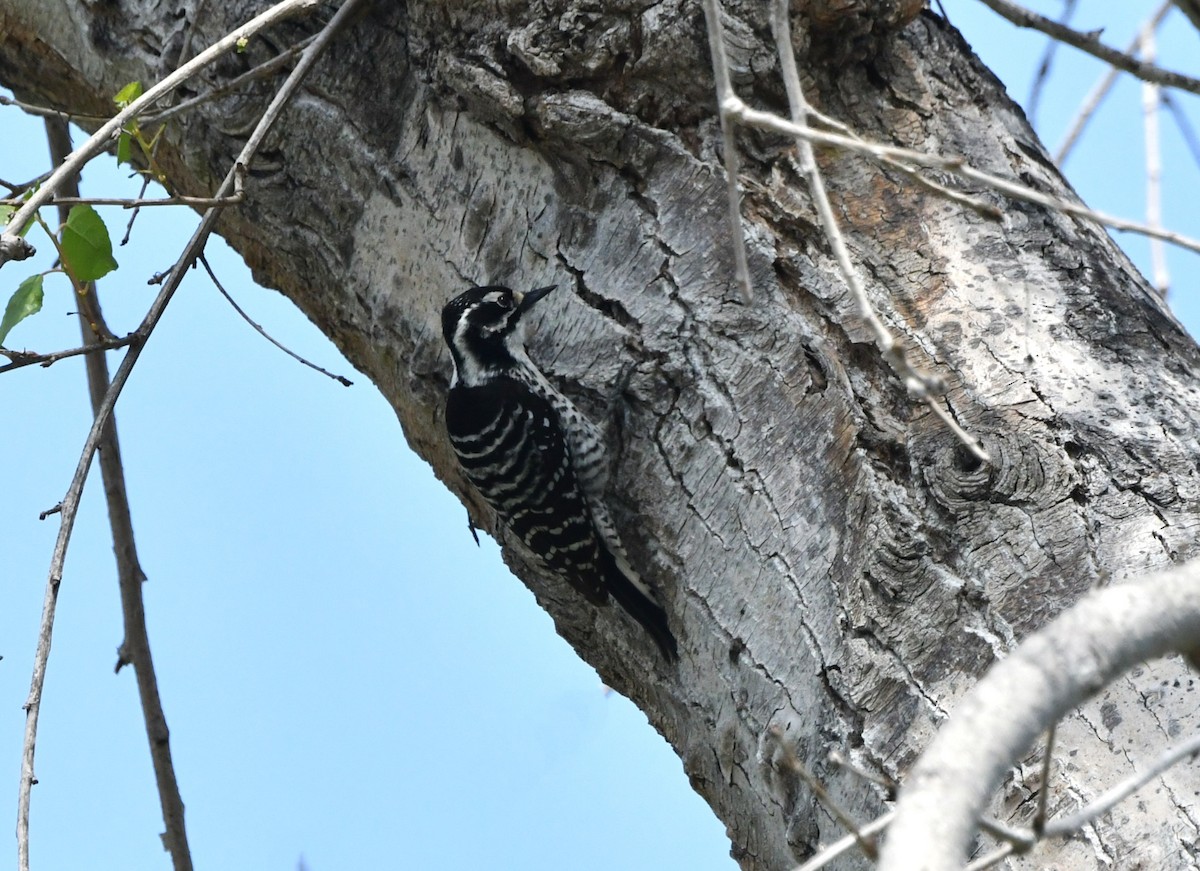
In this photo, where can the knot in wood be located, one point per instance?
(1024, 471)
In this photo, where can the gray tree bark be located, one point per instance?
(838, 569)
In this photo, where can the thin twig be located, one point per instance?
(1090, 43)
(15, 189)
(345, 382)
(1019, 839)
(716, 45)
(141, 195)
(100, 139)
(1150, 107)
(881, 780)
(261, 71)
(21, 359)
(828, 854)
(1100, 90)
(1065, 826)
(986, 210)
(135, 202)
(1043, 70)
(1185, 127)
(1039, 817)
(787, 759)
(135, 648)
(993, 858)
(46, 112)
(921, 386)
(958, 166)
(70, 503)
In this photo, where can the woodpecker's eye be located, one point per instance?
(501, 298)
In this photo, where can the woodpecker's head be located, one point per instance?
(485, 330)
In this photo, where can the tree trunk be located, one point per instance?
(837, 567)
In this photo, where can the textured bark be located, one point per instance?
(834, 563)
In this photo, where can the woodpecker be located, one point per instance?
(534, 457)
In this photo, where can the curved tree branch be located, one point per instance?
(1084, 649)
(1090, 43)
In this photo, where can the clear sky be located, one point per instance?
(350, 682)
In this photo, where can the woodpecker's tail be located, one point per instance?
(639, 602)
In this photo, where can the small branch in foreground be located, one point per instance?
(45, 112)
(956, 165)
(1102, 636)
(1065, 826)
(716, 45)
(100, 139)
(1039, 818)
(136, 646)
(70, 503)
(345, 382)
(993, 858)
(837, 848)
(979, 207)
(1090, 43)
(261, 71)
(21, 359)
(136, 203)
(779, 754)
(921, 386)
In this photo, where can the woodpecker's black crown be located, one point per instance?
(483, 328)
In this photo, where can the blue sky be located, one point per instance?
(347, 677)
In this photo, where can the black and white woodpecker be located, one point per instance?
(534, 457)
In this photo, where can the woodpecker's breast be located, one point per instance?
(511, 446)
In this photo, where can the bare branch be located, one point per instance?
(956, 165)
(1039, 818)
(1043, 69)
(1190, 8)
(100, 139)
(716, 45)
(1150, 107)
(1100, 90)
(1069, 825)
(1185, 126)
(993, 858)
(1090, 43)
(779, 754)
(345, 382)
(137, 202)
(45, 112)
(136, 646)
(920, 385)
(70, 504)
(1106, 633)
(837, 848)
(14, 247)
(259, 72)
(21, 359)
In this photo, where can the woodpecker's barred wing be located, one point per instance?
(512, 449)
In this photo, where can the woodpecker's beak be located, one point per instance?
(528, 299)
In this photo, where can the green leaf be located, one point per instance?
(25, 302)
(86, 247)
(128, 94)
(124, 147)
(6, 213)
